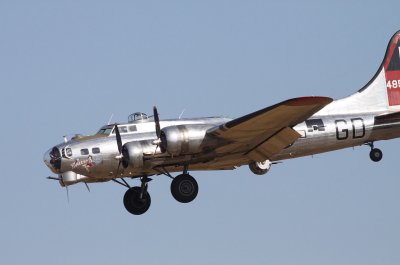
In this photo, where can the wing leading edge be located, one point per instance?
(264, 133)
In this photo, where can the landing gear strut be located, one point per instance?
(136, 199)
(375, 154)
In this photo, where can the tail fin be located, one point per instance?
(391, 64)
(382, 92)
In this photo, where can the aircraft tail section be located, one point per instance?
(391, 65)
(381, 93)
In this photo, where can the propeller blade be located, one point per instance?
(118, 136)
(53, 178)
(66, 187)
(87, 186)
(119, 165)
(157, 122)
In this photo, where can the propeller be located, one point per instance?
(157, 142)
(66, 187)
(157, 122)
(118, 136)
(60, 179)
(120, 156)
(87, 186)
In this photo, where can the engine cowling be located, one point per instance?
(260, 168)
(183, 139)
(133, 153)
(70, 178)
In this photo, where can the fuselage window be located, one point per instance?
(123, 129)
(68, 152)
(95, 150)
(132, 128)
(84, 152)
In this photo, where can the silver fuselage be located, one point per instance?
(319, 133)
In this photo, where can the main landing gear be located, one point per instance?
(184, 188)
(137, 200)
(375, 154)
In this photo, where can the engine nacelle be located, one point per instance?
(183, 139)
(70, 177)
(133, 153)
(260, 168)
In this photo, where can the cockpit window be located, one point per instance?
(122, 130)
(105, 131)
(132, 128)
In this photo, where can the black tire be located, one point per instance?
(134, 204)
(256, 169)
(376, 155)
(184, 188)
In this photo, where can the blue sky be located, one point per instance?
(66, 66)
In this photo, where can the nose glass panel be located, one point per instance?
(46, 158)
(52, 158)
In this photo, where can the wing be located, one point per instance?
(264, 133)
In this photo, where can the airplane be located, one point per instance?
(146, 146)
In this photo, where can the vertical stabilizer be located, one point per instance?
(391, 65)
(381, 93)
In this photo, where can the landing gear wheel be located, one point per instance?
(134, 204)
(184, 188)
(260, 168)
(376, 155)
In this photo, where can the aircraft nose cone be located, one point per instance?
(47, 159)
(52, 159)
